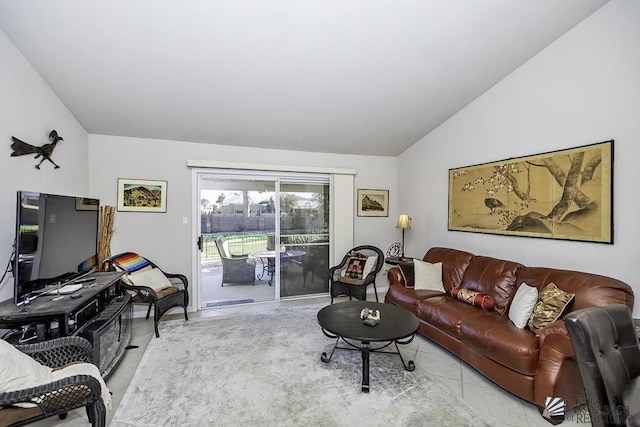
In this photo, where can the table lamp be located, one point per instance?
(404, 222)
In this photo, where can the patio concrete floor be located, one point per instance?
(293, 285)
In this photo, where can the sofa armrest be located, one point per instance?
(558, 373)
(395, 277)
(557, 327)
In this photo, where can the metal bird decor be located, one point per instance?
(20, 148)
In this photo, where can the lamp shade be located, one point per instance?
(404, 221)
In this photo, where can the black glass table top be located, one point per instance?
(343, 319)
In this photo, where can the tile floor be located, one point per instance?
(500, 407)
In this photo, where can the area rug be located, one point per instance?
(264, 369)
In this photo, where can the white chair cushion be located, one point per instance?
(19, 371)
(85, 369)
(153, 278)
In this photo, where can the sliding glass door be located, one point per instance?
(304, 237)
(261, 236)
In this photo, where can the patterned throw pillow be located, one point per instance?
(552, 302)
(474, 298)
(355, 266)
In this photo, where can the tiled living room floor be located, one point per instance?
(499, 406)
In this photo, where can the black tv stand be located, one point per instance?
(100, 313)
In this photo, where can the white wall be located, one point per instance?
(163, 238)
(29, 110)
(584, 88)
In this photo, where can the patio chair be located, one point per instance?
(235, 269)
(150, 285)
(57, 397)
(358, 269)
(314, 261)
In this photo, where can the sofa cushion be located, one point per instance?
(522, 305)
(494, 277)
(552, 302)
(454, 263)
(495, 337)
(446, 313)
(408, 298)
(474, 298)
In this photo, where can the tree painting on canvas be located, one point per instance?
(565, 194)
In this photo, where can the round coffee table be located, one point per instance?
(341, 321)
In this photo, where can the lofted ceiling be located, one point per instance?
(339, 76)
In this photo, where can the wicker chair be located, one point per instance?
(235, 269)
(58, 397)
(162, 300)
(344, 281)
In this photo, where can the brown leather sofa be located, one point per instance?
(533, 368)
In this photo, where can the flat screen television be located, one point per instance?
(56, 241)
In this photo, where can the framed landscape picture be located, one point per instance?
(565, 194)
(373, 202)
(136, 195)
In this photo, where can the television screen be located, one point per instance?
(56, 240)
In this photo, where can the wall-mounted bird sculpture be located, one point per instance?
(21, 148)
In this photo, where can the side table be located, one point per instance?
(396, 260)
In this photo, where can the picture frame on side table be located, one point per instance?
(373, 202)
(137, 195)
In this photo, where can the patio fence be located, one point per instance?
(246, 243)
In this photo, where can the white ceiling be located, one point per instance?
(339, 76)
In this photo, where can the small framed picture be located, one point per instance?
(373, 202)
(137, 195)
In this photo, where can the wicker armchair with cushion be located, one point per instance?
(357, 270)
(41, 380)
(150, 285)
(235, 269)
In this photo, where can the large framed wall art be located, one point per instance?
(565, 194)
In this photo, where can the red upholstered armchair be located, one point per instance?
(150, 285)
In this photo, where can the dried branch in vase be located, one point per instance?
(106, 231)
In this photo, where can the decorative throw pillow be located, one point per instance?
(427, 276)
(370, 265)
(552, 302)
(355, 266)
(522, 305)
(474, 298)
(408, 274)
